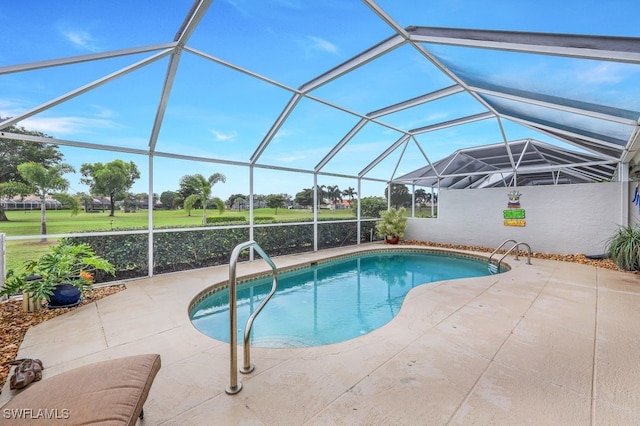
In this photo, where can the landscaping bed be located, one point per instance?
(14, 323)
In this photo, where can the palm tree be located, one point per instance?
(203, 189)
(350, 192)
(334, 194)
(322, 193)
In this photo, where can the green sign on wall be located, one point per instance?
(514, 214)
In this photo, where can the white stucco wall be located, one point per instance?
(564, 219)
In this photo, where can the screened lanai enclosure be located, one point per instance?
(283, 96)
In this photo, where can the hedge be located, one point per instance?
(184, 250)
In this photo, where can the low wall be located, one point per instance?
(564, 219)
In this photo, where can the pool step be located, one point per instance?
(493, 268)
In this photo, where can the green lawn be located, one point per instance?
(23, 223)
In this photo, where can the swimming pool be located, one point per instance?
(331, 302)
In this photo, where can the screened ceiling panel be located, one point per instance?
(285, 40)
(436, 111)
(489, 166)
(310, 131)
(387, 91)
(38, 31)
(362, 149)
(118, 114)
(383, 81)
(591, 127)
(221, 122)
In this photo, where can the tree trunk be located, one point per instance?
(204, 211)
(113, 206)
(43, 219)
(3, 215)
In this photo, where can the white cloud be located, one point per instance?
(60, 126)
(602, 73)
(320, 44)
(80, 38)
(223, 137)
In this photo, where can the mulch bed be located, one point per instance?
(574, 258)
(14, 323)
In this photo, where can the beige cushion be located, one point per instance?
(105, 393)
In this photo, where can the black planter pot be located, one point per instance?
(65, 296)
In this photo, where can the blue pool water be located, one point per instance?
(330, 302)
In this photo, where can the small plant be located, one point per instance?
(392, 223)
(624, 247)
(64, 263)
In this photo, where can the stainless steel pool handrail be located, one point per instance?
(235, 386)
(516, 246)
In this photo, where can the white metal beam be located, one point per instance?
(84, 58)
(384, 155)
(619, 49)
(288, 109)
(447, 91)
(341, 144)
(79, 91)
(451, 123)
(353, 63)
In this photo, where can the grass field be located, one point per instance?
(24, 223)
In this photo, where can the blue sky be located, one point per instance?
(215, 112)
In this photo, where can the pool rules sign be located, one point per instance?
(514, 215)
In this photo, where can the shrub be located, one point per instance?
(179, 251)
(224, 219)
(371, 206)
(624, 247)
(392, 223)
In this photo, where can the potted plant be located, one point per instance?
(59, 276)
(392, 225)
(624, 247)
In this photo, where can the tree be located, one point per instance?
(11, 189)
(169, 199)
(334, 194)
(202, 188)
(350, 192)
(421, 197)
(322, 193)
(85, 199)
(190, 202)
(274, 201)
(371, 206)
(15, 152)
(45, 181)
(111, 180)
(305, 197)
(236, 199)
(189, 185)
(400, 195)
(218, 204)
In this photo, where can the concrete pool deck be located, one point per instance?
(553, 343)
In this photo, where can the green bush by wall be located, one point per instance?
(184, 250)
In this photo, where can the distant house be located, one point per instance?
(30, 202)
(97, 204)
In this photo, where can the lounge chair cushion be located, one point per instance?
(105, 393)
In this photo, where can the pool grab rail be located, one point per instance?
(516, 246)
(234, 385)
